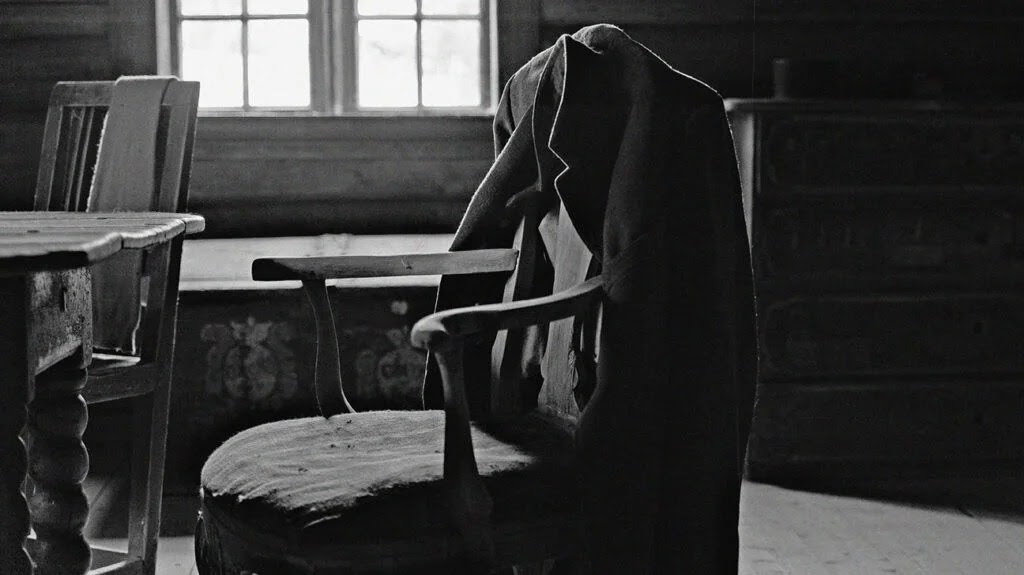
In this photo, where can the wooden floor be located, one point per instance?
(782, 531)
(795, 532)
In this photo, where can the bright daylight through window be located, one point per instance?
(336, 56)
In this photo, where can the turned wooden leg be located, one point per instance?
(15, 391)
(13, 464)
(58, 463)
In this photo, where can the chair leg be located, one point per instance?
(149, 428)
(202, 551)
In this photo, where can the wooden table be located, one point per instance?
(45, 350)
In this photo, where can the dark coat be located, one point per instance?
(641, 156)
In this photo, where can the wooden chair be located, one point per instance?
(429, 491)
(74, 127)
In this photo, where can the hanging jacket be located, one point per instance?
(641, 157)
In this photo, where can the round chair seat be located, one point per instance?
(363, 492)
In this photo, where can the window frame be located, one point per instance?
(229, 146)
(333, 57)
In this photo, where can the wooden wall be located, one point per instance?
(44, 41)
(731, 44)
(298, 176)
(709, 39)
(292, 176)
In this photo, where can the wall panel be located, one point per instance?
(266, 176)
(667, 13)
(731, 44)
(717, 54)
(46, 41)
(298, 166)
(42, 19)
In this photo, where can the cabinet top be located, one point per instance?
(751, 105)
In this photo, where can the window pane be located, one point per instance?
(210, 8)
(279, 63)
(451, 63)
(432, 7)
(277, 7)
(386, 7)
(387, 63)
(211, 52)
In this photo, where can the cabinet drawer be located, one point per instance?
(813, 153)
(890, 240)
(887, 429)
(60, 307)
(816, 336)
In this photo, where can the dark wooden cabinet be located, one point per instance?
(888, 250)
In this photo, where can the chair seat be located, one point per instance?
(316, 488)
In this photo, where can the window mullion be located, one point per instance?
(419, 54)
(319, 55)
(345, 56)
(485, 54)
(175, 37)
(245, 55)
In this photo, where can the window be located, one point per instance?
(336, 56)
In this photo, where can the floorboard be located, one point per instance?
(801, 533)
(782, 531)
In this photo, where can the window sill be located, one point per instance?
(397, 114)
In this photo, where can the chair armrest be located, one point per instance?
(314, 271)
(319, 268)
(440, 330)
(468, 501)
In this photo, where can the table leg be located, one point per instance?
(13, 510)
(14, 395)
(58, 463)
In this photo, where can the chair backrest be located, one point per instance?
(74, 125)
(543, 239)
(71, 144)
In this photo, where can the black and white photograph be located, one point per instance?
(511, 287)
